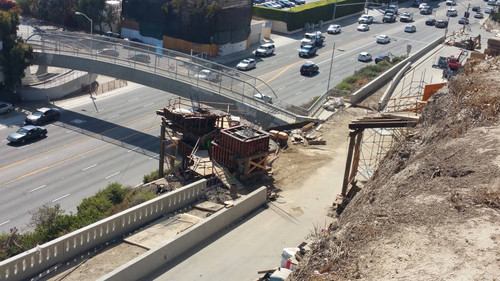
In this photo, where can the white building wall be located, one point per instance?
(230, 48)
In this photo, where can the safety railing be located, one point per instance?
(193, 70)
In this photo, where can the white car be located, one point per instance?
(265, 98)
(410, 28)
(451, 3)
(365, 19)
(422, 5)
(333, 29)
(363, 27)
(451, 13)
(479, 15)
(246, 64)
(364, 57)
(383, 39)
(5, 107)
(208, 75)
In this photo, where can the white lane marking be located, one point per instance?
(5, 222)
(64, 196)
(149, 104)
(134, 149)
(133, 100)
(4, 140)
(35, 189)
(111, 175)
(89, 167)
(110, 117)
(281, 88)
(317, 84)
(323, 61)
(298, 93)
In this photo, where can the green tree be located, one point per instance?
(94, 10)
(15, 55)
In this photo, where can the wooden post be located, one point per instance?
(162, 149)
(352, 135)
(357, 152)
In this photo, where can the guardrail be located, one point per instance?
(386, 76)
(377, 82)
(158, 257)
(32, 262)
(223, 80)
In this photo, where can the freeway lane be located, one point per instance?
(115, 139)
(80, 157)
(281, 70)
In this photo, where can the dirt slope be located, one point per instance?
(432, 209)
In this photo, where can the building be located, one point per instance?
(214, 27)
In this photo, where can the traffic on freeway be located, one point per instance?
(115, 138)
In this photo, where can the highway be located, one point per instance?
(281, 71)
(114, 139)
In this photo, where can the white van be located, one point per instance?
(265, 50)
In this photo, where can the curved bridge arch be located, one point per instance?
(162, 69)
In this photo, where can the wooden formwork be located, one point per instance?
(222, 155)
(244, 141)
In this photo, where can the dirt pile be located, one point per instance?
(432, 209)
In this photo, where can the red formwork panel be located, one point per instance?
(184, 149)
(221, 155)
(244, 141)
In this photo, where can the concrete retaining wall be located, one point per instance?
(43, 92)
(31, 263)
(388, 92)
(157, 258)
(375, 84)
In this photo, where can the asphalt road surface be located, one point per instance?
(111, 140)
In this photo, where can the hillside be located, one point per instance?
(432, 209)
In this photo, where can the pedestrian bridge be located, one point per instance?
(166, 70)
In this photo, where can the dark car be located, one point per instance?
(427, 10)
(389, 17)
(43, 115)
(380, 58)
(463, 20)
(309, 68)
(430, 21)
(476, 9)
(112, 34)
(308, 51)
(441, 23)
(27, 133)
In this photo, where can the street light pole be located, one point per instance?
(331, 66)
(91, 23)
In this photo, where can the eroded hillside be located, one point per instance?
(432, 209)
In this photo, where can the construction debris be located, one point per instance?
(493, 47)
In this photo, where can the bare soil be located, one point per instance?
(432, 209)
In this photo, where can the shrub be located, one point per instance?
(344, 86)
(114, 192)
(351, 79)
(151, 177)
(93, 209)
(384, 65)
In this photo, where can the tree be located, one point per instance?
(15, 56)
(93, 9)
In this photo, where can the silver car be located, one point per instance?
(5, 107)
(246, 64)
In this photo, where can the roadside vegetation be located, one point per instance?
(15, 55)
(364, 75)
(50, 222)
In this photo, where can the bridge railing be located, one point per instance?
(223, 80)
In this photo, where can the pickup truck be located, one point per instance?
(315, 39)
(389, 17)
(392, 9)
